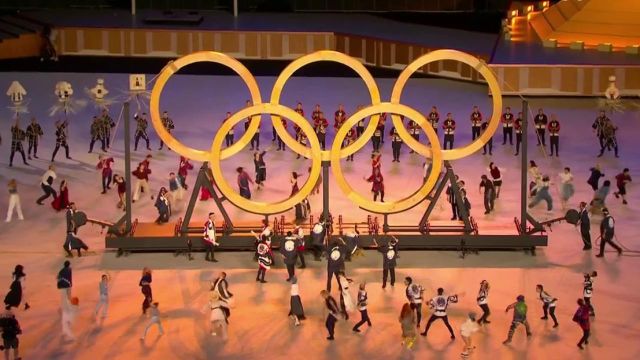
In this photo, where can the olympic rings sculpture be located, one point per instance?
(314, 152)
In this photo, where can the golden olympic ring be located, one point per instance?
(326, 55)
(172, 68)
(413, 199)
(217, 154)
(475, 63)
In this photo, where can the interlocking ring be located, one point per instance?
(334, 56)
(435, 152)
(216, 153)
(474, 62)
(172, 68)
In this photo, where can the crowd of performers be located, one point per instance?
(338, 252)
(293, 247)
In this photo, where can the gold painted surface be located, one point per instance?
(472, 61)
(333, 56)
(92, 39)
(172, 68)
(216, 155)
(569, 79)
(540, 77)
(433, 152)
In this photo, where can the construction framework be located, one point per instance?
(129, 234)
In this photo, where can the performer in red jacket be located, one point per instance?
(377, 186)
(183, 170)
(104, 164)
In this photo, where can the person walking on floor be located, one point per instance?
(218, 318)
(621, 182)
(607, 232)
(210, 238)
(332, 315)
(14, 201)
(585, 226)
(582, 318)
(64, 283)
(549, 304)
(483, 302)
(389, 255)
(439, 304)
(17, 289)
(362, 307)
(145, 288)
(519, 318)
(103, 302)
(594, 177)
(296, 311)
(587, 290)
(289, 254)
(489, 193)
(155, 320)
(414, 293)
(466, 330)
(45, 184)
(408, 325)
(10, 328)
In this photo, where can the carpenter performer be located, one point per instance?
(17, 136)
(389, 255)
(107, 125)
(489, 193)
(489, 143)
(476, 121)
(61, 139)
(376, 138)
(141, 130)
(289, 254)
(585, 226)
(97, 134)
(598, 127)
(554, 134)
(449, 127)
(168, 125)
(209, 238)
(507, 126)
(540, 122)
(377, 184)
(34, 132)
(336, 255)
(607, 232)
(265, 260)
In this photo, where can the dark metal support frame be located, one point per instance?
(234, 238)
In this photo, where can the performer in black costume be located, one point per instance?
(34, 132)
(141, 130)
(61, 139)
(17, 136)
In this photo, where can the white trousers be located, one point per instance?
(14, 203)
(154, 321)
(103, 304)
(140, 184)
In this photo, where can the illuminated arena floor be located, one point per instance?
(259, 325)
